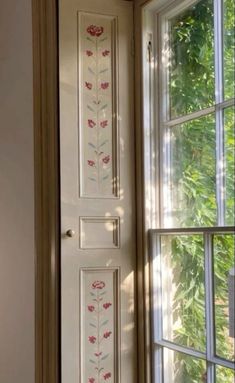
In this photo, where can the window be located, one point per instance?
(189, 167)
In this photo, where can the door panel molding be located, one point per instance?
(47, 217)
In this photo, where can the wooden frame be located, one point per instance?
(47, 215)
(143, 322)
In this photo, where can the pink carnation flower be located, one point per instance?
(91, 123)
(104, 85)
(94, 30)
(104, 123)
(92, 339)
(107, 375)
(91, 163)
(106, 159)
(88, 85)
(105, 53)
(98, 285)
(107, 305)
(89, 53)
(107, 334)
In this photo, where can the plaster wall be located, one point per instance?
(16, 194)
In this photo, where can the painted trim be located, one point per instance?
(47, 215)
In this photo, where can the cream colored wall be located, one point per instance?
(16, 194)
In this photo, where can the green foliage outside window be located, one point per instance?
(194, 179)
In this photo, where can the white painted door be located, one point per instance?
(97, 191)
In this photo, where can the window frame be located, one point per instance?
(159, 343)
(152, 117)
(220, 104)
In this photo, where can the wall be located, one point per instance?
(16, 194)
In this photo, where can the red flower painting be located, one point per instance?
(105, 53)
(98, 285)
(99, 339)
(94, 30)
(104, 123)
(106, 159)
(107, 375)
(96, 83)
(104, 85)
(92, 339)
(89, 53)
(91, 163)
(88, 85)
(107, 334)
(91, 123)
(107, 305)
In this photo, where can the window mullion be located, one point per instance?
(210, 328)
(220, 166)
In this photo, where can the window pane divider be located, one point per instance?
(193, 230)
(200, 113)
(189, 117)
(210, 335)
(223, 362)
(182, 349)
(155, 304)
(219, 97)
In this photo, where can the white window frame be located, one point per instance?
(155, 114)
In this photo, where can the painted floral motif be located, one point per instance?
(105, 53)
(91, 123)
(89, 53)
(99, 101)
(88, 85)
(104, 123)
(100, 332)
(104, 85)
(91, 163)
(93, 30)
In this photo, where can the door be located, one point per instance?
(97, 191)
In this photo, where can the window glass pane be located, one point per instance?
(229, 48)
(224, 262)
(190, 174)
(181, 368)
(224, 375)
(183, 290)
(191, 77)
(229, 144)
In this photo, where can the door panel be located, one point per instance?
(97, 192)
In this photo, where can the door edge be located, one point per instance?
(47, 191)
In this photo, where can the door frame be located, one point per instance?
(47, 191)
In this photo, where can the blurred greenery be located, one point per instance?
(193, 176)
